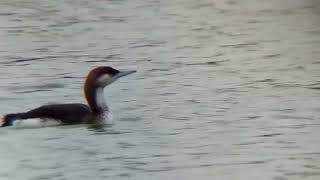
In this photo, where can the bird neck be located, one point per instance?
(95, 99)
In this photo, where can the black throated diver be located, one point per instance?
(96, 110)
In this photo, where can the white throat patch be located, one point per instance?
(101, 102)
(105, 80)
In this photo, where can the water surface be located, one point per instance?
(224, 90)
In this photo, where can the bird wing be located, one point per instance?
(66, 113)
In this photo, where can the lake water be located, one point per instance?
(224, 89)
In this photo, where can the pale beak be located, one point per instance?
(125, 73)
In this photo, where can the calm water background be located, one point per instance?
(224, 89)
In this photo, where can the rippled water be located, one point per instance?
(224, 89)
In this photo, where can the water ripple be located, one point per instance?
(224, 90)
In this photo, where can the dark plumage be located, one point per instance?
(65, 113)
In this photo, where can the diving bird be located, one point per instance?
(96, 111)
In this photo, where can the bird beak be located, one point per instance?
(125, 72)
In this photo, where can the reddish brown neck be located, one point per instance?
(94, 96)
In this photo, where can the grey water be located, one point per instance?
(225, 89)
